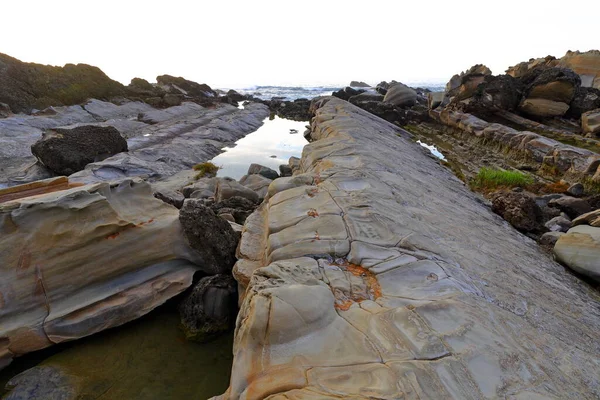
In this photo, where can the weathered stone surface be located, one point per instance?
(210, 236)
(285, 170)
(576, 163)
(590, 122)
(227, 188)
(121, 251)
(576, 190)
(559, 224)
(586, 64)
(427, 294)
(66, 151)
(400, 95)
(579, 249)
(592, 218)
(550, 238)
(572, 206)
(257, 183)
(550, 93)
(210, 309)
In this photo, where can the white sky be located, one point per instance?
(309, 42)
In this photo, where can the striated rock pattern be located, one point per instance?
(574, 162)
(81, 260)
(586, 64)
(374, 273)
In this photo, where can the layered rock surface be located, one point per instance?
(374, 273)
(84, 259)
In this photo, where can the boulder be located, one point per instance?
(579, 249)
(592, 218)
(550, 92)
(365, 97)
(262, 170)
(464, 85)
(258, 183)
(359, 84)
(576, 190)
(550, 238)
(202, 188)
(239, 207)
(435, 99)
(559, 224)
(400, 95)
(294, 163)
(227, 188)
(382, 87)
(210, 308)
(235, 96)
(571, 206)
(524, 68)
(68, 150)
(590, 122)
(211, 237)
(586, 64)
(142, 88)
(87, 258)
(519, 209)
(585, 99)
(285, 170)
(297, 110)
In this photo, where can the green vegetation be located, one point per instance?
(591, 186)
(489, 178)
(206, 170)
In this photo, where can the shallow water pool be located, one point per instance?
(270, 145)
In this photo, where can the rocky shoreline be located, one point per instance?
(367, 268)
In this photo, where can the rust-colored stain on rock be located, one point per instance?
(373, 288)
(113, 236)
(312, 213)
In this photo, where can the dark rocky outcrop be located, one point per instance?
(347, 92)
(239, 207)
(212, 237)
(400, 95)
(585, 99)
(519, 209)
(179, 85)
(28, 86)
(68, 150)
(210, 309)
(297, 110)
(262, 170)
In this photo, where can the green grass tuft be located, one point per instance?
(205, 169)
(489, 178)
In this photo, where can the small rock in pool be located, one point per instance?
(292, 131)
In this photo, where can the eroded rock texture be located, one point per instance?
(374, 273)
(84, 259)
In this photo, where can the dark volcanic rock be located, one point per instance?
(235, 96)
(142, 88)
(297, 110)
(68, 150)
(25, 86)
(347, 92)
(502, 92)
(237, 206)
(179, 85)
(212, 237)
(585, 99)
(519, 209)
(210, 309)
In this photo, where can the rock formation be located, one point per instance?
(374, 273)
(84, 259)
(65, 151)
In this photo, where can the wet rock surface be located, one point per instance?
(210, 309)
(362, 277)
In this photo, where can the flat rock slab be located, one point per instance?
(375, 273)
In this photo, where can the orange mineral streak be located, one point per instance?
(35, 189)
(373, 287)
(113, 236)
(312, 213)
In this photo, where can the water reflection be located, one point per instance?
(273, 138)
(434, 150)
